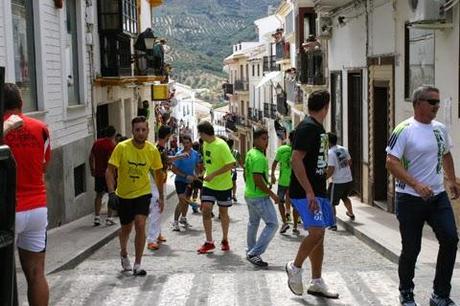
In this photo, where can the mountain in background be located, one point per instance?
(201, 33)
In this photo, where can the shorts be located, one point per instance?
(234, 175)
(282, 192)
(197, 184)
(183, 188)
(100, 185)
(339, 192)
(222, 197)
(31, 229)
(129, 208)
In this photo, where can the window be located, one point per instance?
(258, 69)
(253, 70)
(109, 18)
(24, 53)
(419, 59)
(79, 180)
(289, 23)
(71, 53)
(129, 15)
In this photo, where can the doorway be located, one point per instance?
(102, 119)
(380, 139)
(355, 134)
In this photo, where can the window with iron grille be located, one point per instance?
(266, 110)
(129, 14)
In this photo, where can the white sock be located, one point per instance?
(317, 280)
(295, 269)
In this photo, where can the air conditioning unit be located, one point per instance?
(324, 26)
(427, 11)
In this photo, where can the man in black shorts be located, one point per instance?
(338, 167)
(98, 158)
(128, 170)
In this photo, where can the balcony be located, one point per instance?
(230, 122)
(241, 85)
(261, 115)
(242, 122)
(270, 64)
(282, 50)
(311, 67)
(228, 90)
(115, 55)
(281, 105)
(267, 110)
(294, 93)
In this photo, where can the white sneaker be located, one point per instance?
(175, 227)
(109, 221)
(183, 221)
(319, 288)
(294, 278)
(125, 263)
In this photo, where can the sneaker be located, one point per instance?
(319, 288)
(406, 297)
(109, 221)
(175, 227)
(183, 221)
(295, 231)
(294, 278)
(207, 247)
(161, 239)
(224, 246)
(256, 260)
(351, 216)
(436, 300)
(97, 221)
(284, 228)
(137, 271)
(333, 228)
(152, 246)
(125, 263)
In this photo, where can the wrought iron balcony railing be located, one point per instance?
(282, 50)
(270, 64)
(311, 67)
(241, 85)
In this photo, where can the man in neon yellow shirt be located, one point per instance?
(128, 170)
(217, 187)
(257, 195)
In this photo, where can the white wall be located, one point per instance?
(381, 28)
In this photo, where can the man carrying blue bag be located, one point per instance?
(309, 195)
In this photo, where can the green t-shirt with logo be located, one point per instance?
(283, 157)
(255, 162)
(216, 155)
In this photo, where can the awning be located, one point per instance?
(274, 75)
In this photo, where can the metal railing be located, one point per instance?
(241, 85)
(311, 67)
(282, 50)
(281, 105)
(267, 110)
(270, 63)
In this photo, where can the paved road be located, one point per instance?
(177, 275)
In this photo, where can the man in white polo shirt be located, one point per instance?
(418, 151)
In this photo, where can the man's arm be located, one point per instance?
(393, 164)
(159, 176)
(329, 171)
(222, 170)
(273, 177)
(260, 183)
(301, 175)
(92, 164)
(178, 172)
(110, 175)
(449, 170)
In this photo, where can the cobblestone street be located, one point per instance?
(178, 276)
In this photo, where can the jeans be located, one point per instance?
(412, 212)
(260, 208)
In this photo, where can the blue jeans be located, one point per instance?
(260, 208)
(412, 212)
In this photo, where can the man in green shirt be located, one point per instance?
(283, 158)
(257, 195)
(217, 184)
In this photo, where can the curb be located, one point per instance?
(81, 256)
(379, 248)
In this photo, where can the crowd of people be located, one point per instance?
(134, 171)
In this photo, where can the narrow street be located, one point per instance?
(178, 276)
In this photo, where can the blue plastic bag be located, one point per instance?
(323, 217)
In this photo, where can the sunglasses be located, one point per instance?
(432, 101)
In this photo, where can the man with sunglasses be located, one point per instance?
(418, 155)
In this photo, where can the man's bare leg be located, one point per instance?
(139, 242)
(206, 210)
(225, 222)
(33, 265)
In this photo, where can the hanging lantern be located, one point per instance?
(59, 3)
